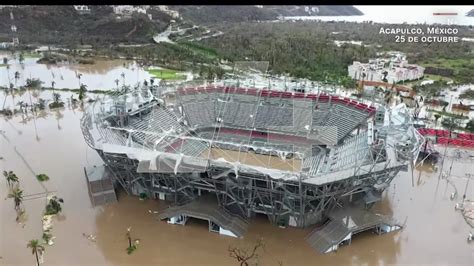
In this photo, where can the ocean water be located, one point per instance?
(404, 14)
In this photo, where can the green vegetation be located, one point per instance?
(468, 94)
(56, 101)
(17, 195)
(143, 196)
(54, 206)
(36, 248)
(451, 123)
(11, 178)
(131, 249)
(47, 237)
(61, 24)
(42, 177)
(430, 90)
(461, 67)
(3, 65)
(33, 83)
(470, 125)
(166, 74)
(305, 52)
(82, 92)
(447, 114)
(31, 55)
(209, 52)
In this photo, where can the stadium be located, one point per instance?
(226, 153)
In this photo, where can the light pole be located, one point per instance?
(467, 185)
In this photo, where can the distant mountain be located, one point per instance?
(470, 13)
(216, 14)
(63, 24)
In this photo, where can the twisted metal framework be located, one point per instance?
(151, 159)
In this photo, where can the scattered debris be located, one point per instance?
(90, 237)
(453, 195)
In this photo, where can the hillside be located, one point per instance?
(314, 10)
(62, 24)
(216, 14)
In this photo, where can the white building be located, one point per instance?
(396, 68)
(172, 13)
(6, 44)
(127, 10)
(81, 9)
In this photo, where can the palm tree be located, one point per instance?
(152, 81)
(52, 84)
(54, 206)
(129, 237)
(117, 82)
(5, 61)
(36, 248)
(5, 99)
(82, 91)
(17, 195)
(123, 77)
(56, 98)
(21, 58)
(21, 104)
(437, 116)
(79, 78)
(10, 177)
(17, 77)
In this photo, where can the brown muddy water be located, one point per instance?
(101, 75)
(434, 232)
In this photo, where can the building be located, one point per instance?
(82, 9)
(128, 10)
(394, 68)
(226, 154)
(5, 45)
(173, 13)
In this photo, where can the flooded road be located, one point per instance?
(434, 232)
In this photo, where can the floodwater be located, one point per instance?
(434, 232)
(101, 75)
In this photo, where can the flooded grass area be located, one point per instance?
(166, 74)
(53, 144)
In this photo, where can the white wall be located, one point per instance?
(222, 231)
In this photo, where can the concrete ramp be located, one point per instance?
(100, 185)
(346, 222)
(227, 223)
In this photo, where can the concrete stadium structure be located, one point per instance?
(294, 157)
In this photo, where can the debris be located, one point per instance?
(453, 195)
(90, 237)
(459, 206)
